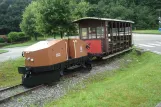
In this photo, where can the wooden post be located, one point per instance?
(105, 33)
(106, 38)
(112, 37)
(96, 31)
(80, 32)
(87, 32)
(131, 34)
(128, 35)
(124, 37)
(119, 38)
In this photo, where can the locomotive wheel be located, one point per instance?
(61, 73)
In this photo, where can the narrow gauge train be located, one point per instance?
(98, 37)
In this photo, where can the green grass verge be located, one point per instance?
(147, 31)
(3, 51)
(9, 75)
(134, 85)
(28, 43)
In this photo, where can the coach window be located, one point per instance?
(92, 32)
(84, 33)
(114, 29)
(100, 32)
(121, 29)
(126, 29)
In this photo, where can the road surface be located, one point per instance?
(13, 53)
(148, 42)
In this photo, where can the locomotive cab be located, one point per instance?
(46, 53)
(45, 60)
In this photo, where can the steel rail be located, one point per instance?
(18, 94)
(8, 88)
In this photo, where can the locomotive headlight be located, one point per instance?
(32, 60)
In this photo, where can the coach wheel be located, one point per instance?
(88, 66)
(99, 58)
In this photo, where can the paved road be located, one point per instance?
(148, 42)
(13, 53)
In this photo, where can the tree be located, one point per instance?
(28, 24)
(142, 12)
(54, 17)
(47, 17)
(79, 9)
(11, 14)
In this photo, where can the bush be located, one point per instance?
(2, 40)
(18, 37)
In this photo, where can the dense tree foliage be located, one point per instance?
(142, 12)
(53, 16)
(47, 17)
(10, 14)
(28, 24)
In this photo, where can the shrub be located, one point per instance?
(2, 40)
(18, 37)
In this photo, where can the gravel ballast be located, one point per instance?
(54, 91)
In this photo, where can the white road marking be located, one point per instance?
(135, 45)
(146, 45)
(158, 42)
(154, 44)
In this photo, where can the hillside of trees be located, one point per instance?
(45, 17)
(11, 15)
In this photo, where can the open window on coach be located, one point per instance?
(84, 33)
(100, 32)
(92, 32)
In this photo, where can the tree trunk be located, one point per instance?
(61, 33)
(54, 36)
(35, 37)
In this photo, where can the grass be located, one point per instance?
(28, 43)
(3, 51)
(134, 85)
(9, 75)
(147, 31)
(20, 44)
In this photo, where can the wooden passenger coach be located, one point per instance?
(105, 36)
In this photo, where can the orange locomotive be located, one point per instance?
(99, 37)
(46, 59)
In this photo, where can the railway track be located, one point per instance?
(8, 93)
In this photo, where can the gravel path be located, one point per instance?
(49, 93)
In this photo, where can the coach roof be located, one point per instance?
(105, 19)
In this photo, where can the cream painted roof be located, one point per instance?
(108, 19)
(41, 45)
